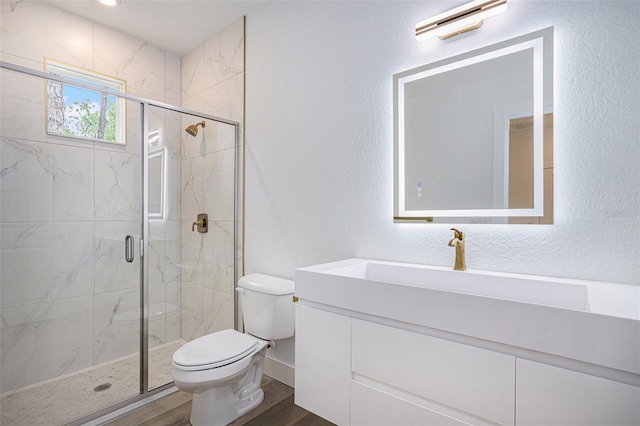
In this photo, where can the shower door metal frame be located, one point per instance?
(143, 247)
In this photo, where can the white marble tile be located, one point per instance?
(19, 60)
(191, 254)
(218, 311)
(158, 123)
(192, 73)
(218, 253)
(157, 315)
(134, 131)
(192, 190)
(194, 102)
(45, 261)
(218, 198)
(117, 324)
(141, 64)
(173, 78)
(172, 249)
(174, 302)
(192, 310)
(36, 30)
(22, 103)
(45, 182)
(157, 253)
(193, 146)
(224, 54)
(112, 271)
(174, 130)
(173, 188)
(44, 340)
(239, 249)
(217, 137)
(204, 311)
(226, 99)
(117, 177)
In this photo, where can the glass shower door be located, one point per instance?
(70, 302)
(191, 268)
(164, 286)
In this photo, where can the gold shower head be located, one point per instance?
(193, 129)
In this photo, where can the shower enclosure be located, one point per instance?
(103, 271)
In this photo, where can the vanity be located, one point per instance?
(390, 343)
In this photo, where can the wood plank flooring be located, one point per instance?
(277, 409)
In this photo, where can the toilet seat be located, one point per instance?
(214, 350)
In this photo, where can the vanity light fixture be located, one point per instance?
(110, 2)
(459, 20)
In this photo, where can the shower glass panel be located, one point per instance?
(70, 302)
(164, 336)
(191, 273)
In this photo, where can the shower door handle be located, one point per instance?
(128, 248)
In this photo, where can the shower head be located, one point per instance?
(193, 129)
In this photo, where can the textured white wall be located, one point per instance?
(319, 137)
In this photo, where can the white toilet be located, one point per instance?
(223, 370)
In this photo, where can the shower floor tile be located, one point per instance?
(67, 398)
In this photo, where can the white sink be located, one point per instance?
(584, 320)
(544, 291)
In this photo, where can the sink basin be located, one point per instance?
(587, 321)
(550, 292)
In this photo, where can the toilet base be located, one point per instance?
(220, 405)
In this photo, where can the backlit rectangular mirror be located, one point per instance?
(473, 136)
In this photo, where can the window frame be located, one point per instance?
(85, 76)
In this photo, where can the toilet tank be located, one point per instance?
(268, 309)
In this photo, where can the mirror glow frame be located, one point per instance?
(501, 49)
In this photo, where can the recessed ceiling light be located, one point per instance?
(110, 2)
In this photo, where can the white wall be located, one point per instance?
(319, 135)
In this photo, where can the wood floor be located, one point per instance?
(277, 409)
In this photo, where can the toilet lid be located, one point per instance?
(215, 350)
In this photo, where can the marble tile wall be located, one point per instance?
(67, 299)
(212, 82)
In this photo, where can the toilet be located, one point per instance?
(223, 370)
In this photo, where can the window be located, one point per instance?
(82, 113)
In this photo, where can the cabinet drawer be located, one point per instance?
(371, 407)
(469, 379)
(551, 396)
(323, 370)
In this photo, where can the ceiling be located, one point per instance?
(177, 26)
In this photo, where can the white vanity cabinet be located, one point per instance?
(436, 374)
(323, 363)
(357, 372)
(353, 371)
(550, 395)
(390, 343)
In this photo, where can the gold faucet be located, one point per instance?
(458, 242)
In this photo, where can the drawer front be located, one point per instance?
(572, 398)
(371, 407)
(469, 379)
(323, 370)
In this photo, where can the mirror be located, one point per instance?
(473, 136)
(156, 181)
